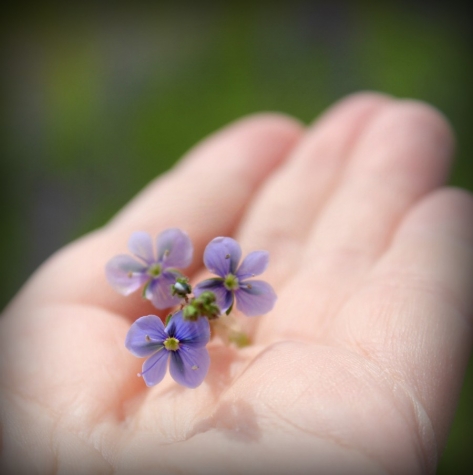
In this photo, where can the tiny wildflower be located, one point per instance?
(253, 297)
(158, 274)
(181, 341)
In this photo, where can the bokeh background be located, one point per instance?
(99, 99)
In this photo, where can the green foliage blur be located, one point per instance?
(99, 100)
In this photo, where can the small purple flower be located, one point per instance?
(182, 341)
(253, 297)
(126, 274)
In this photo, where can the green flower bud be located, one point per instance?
(181, 287)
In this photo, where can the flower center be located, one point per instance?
(154, 270)
(171, 344)
(231, 282)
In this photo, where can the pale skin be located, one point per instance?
(356, 370)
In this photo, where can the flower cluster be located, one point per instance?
(182, 339)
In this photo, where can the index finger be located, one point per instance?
(205, 195)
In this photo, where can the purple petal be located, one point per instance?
(256, 300)
(192, 334)
(125, 274)
(160, 293)
(141, 245)
(254, 263)
(154, 368)
(189, 366)
(145, 336)
(222, 255)
(175, 248)
(223, 296)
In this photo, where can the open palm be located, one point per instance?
(356, 370)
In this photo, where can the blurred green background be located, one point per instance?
(97, 100)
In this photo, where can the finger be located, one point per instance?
(291, 199)
(414, 315)
(205, 195)
(404, 153)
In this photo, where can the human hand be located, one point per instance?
(356, 370)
